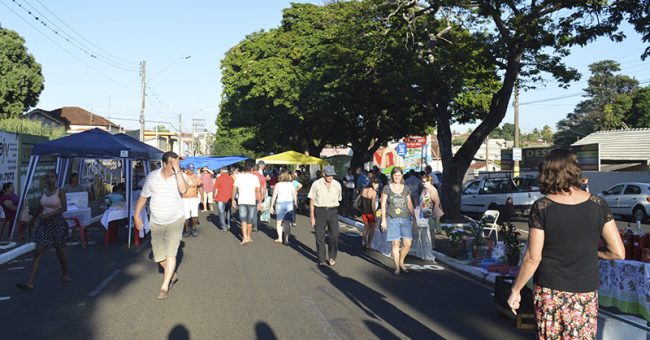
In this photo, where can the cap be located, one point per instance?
(329, 171)
(190, 167)
(261, 163)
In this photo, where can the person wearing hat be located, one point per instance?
(191, 201)
(325, 195)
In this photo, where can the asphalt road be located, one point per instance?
(227, 291)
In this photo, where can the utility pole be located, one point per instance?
(487, 153)
(143, 85)
(198, 134)
(516, 106)
(180, 135)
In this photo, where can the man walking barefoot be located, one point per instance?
(165, 187)
(191, 201)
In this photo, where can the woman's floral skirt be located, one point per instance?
(565, 315)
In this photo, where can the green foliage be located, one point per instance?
(161, 128)
(21, 81)
(633, 109)
(31, 127)
(608, 105)
(511, 240)
(507, 132)
(233, 142)
(454, 234)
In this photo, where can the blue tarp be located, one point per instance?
(95, 143)
(213, 163)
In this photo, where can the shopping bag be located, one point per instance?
(266, 210)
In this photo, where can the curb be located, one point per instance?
(471, 270)
(12, 254)
(440, 257)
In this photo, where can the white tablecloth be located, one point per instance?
(118, 212)
(83, 214)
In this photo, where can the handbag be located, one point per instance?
(357, 203)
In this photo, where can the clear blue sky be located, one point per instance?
(162, 32)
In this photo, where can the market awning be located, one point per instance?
(292, 157)
(213, 163)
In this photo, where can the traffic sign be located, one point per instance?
(516, 154)
(401, 149)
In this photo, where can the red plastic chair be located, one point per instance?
(74, 223)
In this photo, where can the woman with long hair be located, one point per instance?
(369, 211)
(562, 253)
(396, 208)
(283, 204)
(52, 229)
(429, 210)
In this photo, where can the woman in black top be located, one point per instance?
(368, 212)
(562, 253)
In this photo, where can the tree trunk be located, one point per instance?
(363, 151)
(455, 166)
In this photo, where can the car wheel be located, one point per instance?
(639, 214)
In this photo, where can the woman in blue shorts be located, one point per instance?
(398, 218)
(283, 203)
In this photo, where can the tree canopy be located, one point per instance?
(21, 81)
(613, 101)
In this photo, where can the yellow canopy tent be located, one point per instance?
(292, 157)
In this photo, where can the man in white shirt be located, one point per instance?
(247, 185)
(165, 187)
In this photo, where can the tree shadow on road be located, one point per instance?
(376, 306)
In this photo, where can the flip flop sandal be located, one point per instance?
(24, 286)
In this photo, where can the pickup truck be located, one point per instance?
(494, 193)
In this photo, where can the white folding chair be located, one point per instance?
(489, 220)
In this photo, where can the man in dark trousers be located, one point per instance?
(325, 195)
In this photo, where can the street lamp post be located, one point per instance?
(143, 85)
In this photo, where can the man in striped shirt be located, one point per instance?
(165, 187)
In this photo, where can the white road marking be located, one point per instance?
(425, 267)
(325, 326)
(104, 283)
(15, 268)
(5, 298)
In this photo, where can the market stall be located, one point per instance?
(213, 163)
(91, 144)
(292, 158)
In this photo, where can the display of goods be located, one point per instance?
(645, 256)
(498, 268)
(488, 262)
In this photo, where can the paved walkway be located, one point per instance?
(264, 290)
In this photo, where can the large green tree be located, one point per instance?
(527, 40)
(21, 80)
(329, 75)
(606, 95)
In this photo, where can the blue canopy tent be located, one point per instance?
(96, 144)
(212, 162)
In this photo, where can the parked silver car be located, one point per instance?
(629, 199)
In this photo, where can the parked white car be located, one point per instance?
(495, 194)
(629, 199)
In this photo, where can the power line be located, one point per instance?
(82, 37)
(67, 39)
(567, 96)
(127, 65)
(64, 49)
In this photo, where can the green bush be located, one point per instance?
(31, 127)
